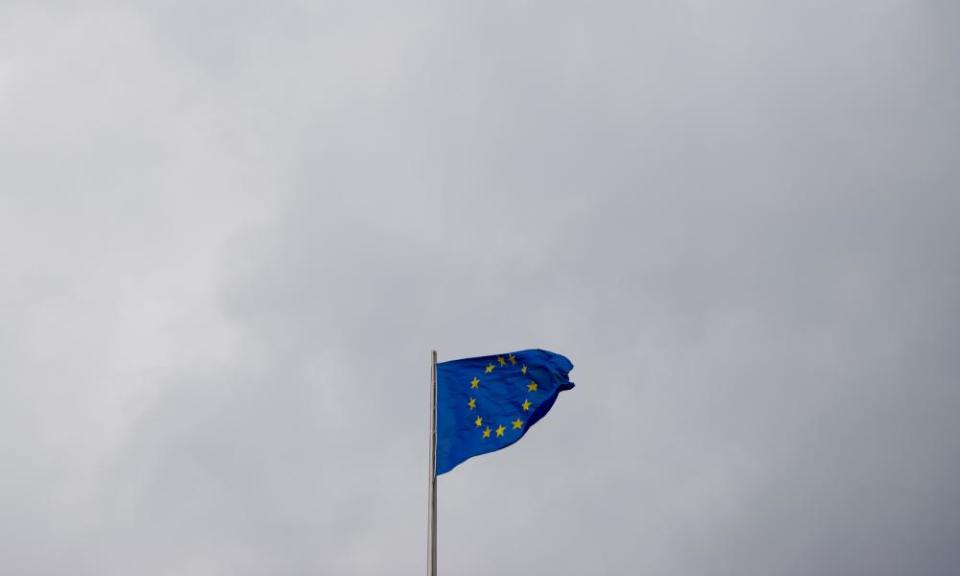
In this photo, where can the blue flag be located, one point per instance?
(488, 403)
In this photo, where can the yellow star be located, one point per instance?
(501, 361)
(532, 387)
(517, 423)
(475, 383)
(478, 421)
(526, 405)
(513, 359)
(489, 368)
(486, 433)
(500, 430)
(523, 370)
(472, 403)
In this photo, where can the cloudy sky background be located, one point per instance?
(231, 232)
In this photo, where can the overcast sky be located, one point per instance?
(231, 232)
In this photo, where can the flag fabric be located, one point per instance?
(489, 402)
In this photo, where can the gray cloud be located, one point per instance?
(231, 235)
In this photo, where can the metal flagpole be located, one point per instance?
(432, 496)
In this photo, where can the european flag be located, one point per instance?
(489, 402)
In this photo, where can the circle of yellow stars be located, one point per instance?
(486, 431)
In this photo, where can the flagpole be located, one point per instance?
(432, 490)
